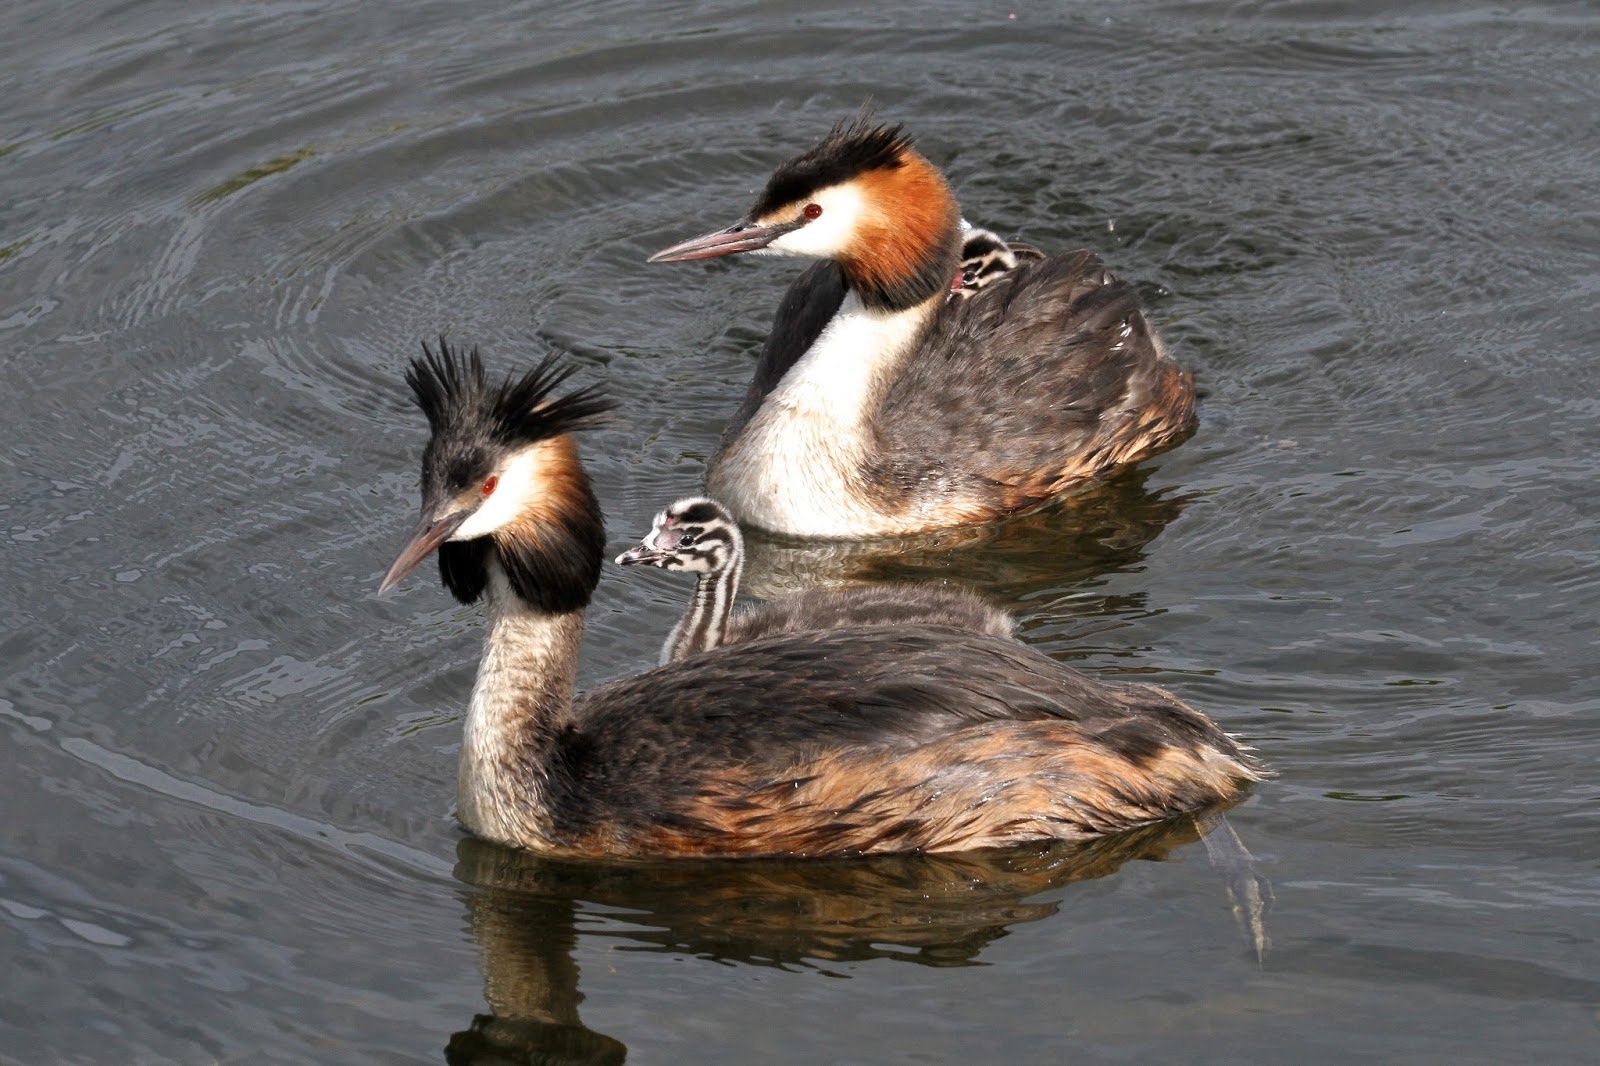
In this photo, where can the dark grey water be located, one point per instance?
(228, 768)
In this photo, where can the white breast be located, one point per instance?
(795, 468)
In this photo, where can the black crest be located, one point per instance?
(454, 393)
(474, 423)
(852, 147)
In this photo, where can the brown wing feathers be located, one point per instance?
(884, 738)
(1056, 360)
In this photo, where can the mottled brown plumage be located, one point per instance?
(891, 738)
(1057, 361)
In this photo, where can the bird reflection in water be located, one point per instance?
(1101, 528)
(934, 910)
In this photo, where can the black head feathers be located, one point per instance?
(474, 423)
(553, 562)
(852, 147)
(455, 395)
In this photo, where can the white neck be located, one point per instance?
(705, 624)
(796, 467)
(520, 704)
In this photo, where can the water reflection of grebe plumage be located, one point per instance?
(882, 406)
(870, 739)
(527, 913)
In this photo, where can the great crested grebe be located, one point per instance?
(881, 406)
(869, 739)
(697, 535)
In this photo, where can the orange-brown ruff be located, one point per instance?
(882, 407)
(852, 740)
(890, 247)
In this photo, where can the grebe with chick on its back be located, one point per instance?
(883, 405)
(853, 741)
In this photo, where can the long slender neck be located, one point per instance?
(705, 624)
(797, 466)
(842, 376)
(521, 706)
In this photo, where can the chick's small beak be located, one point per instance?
(739, 237)
(641, 553)
(428, 535)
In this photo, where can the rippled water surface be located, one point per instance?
(229, 768)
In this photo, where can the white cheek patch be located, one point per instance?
(515, 489)
(829, 234)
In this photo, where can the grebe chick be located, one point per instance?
(985, 255)
(697, 535)
(868, 739)
(882, 407)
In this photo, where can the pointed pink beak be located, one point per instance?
(428, 535)
(739, 237)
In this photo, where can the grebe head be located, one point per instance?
(501, 475)
(696, 535)
(863, 197)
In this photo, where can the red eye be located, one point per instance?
(813, 211)
(488, 486)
